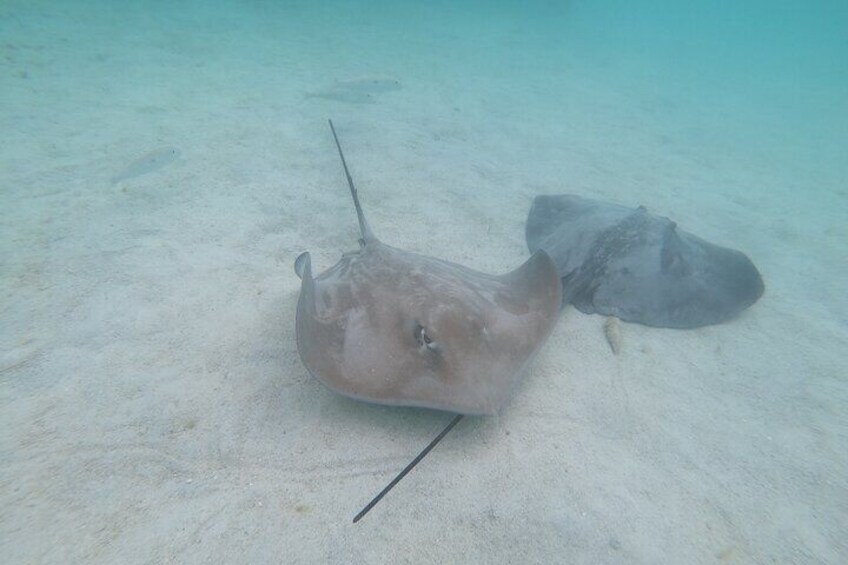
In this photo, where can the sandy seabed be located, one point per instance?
(152, 402)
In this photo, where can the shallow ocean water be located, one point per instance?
(152, 402)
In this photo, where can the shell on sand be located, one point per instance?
(612, 331)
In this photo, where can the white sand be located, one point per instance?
(152, 403)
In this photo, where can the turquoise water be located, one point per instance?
(163, 163)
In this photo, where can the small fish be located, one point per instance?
(148, 163)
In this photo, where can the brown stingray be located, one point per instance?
(393, 327)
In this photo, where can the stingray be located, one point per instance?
(639, 267)
(360, 90)
(394, 327)
(147, 163)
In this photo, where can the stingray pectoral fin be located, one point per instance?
(307, 313)
(302, 263)
(536, 282)
(312, 335)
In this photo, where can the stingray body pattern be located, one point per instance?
(394, 327)
(628, 263)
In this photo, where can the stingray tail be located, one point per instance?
(364, 229)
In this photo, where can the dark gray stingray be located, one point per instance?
(627, 263)
(394, 327)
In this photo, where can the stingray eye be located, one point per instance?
(421, 336)
(423, 339)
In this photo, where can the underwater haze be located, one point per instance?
(162, 165)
